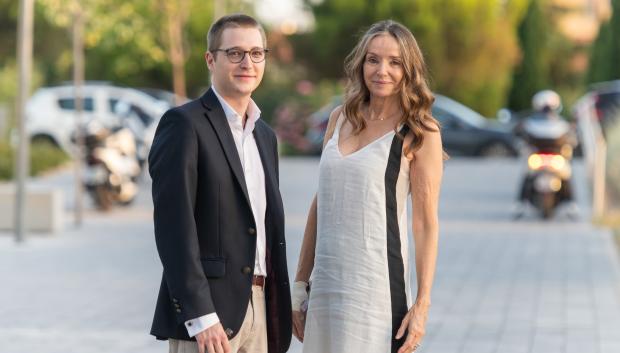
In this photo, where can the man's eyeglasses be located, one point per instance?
(236, 55)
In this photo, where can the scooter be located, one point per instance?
(546, 184)
(112, 167)
(546, 181)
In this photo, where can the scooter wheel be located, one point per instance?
(548, 206)
(103, 198)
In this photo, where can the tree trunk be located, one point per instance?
(176, 17)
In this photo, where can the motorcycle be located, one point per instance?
(546, 184)
(112, 167)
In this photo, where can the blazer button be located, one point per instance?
(252, 231)
(175, 300)
(178, 310)
(246, 270)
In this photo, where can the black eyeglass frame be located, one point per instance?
(227, 51)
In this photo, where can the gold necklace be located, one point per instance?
(383, 118)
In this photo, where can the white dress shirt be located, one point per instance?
(255, 183)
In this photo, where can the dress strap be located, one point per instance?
(339, 123)
(404, 129)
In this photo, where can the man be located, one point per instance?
(219, 222)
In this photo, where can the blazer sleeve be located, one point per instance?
(173, 169)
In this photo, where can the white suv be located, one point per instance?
(51, 112)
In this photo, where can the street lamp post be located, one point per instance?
(24, 62)
(78, 82)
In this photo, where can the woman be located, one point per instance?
(380, 146)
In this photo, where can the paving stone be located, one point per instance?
(501, 286)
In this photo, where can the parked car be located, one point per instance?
(606, 97)
(166, 96)
(464, 132)
(51, 112)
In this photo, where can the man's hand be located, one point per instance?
(213, 340)
(299, 324)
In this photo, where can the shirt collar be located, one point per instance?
(234, 118)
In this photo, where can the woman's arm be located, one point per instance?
(306, 254)
(425, 178)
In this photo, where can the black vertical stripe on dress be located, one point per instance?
(396, 267)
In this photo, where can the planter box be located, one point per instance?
(43, 212)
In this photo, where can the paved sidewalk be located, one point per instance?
(501, 286)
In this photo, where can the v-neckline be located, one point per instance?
(361, 148)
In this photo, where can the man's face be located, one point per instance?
(240, 79)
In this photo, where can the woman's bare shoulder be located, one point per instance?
(331, 124)
(431, 144)
(431, 147)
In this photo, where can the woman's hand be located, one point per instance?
(299, 324)
(415, 325)
(299, 304)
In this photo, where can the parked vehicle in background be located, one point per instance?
(551, 139)
(606, 97)
(111, 166)
(464, 131)
(317, 125)
(51, 113)
(166, 96)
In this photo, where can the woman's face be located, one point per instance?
(383, 66)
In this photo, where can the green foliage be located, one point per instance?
(613, 163)
(532, 74)
(470, 45)
(43, 157)
(8, 90)
(126, 41)
(605, 54)
(6, 161)
(8, 25)
(196, 31)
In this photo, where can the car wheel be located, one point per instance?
(496, 149)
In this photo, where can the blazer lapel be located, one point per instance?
(266, 157)
(217, 117)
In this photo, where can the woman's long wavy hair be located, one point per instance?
(416, 98)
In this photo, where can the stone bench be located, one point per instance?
(43, 210)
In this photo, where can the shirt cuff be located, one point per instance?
(196, 326)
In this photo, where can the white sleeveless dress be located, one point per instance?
(360, 281)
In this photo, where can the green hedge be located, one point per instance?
(43, 156)
(6, 161)
(613, 165)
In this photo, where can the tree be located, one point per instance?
(532, 74)
(131, 42)
(176, 13)
(605, 54)
(470, 45)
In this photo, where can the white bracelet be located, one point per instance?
(299, 295)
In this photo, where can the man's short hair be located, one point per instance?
(214, 37)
